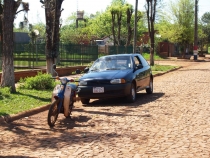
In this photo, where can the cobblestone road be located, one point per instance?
(172, 122)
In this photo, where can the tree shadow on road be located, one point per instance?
(74, 121)
(87, 124)
(64, 133)
(16, 156)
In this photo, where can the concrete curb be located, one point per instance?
(10, 118)
(159, 74)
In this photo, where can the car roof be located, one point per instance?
(133, 54)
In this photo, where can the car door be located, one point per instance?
(145, 71)
(138, 73)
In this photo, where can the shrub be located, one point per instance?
(39, 82)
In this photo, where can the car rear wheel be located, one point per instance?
(131, 98)
(85, 101)
(150, 89)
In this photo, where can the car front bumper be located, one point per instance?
(110, 91)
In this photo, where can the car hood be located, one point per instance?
(109, 74)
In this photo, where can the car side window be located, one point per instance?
(137, 61)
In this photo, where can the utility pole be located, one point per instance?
(135, 27)
(195, 49)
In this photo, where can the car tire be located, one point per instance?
(150, 89)
(131, 98)
(85, 101)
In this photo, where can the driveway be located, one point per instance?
(174, 121)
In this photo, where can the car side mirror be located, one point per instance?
(86, 69)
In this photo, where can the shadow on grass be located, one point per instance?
(3, 114)
(21, 101)
(33, 96)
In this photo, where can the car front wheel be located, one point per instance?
(131, 98)
(85, 101)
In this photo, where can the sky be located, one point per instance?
(37, 13)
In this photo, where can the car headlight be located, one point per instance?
(63, 80)
(117, 81)
(82, 83)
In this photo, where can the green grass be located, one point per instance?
(162, 68)
(147, 56)
(22, 100)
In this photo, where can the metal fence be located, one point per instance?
(33, 55)
(120, 49)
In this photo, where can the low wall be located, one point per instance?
(31, 73)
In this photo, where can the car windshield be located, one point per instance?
(112, 63)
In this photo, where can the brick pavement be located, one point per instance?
(172, 122)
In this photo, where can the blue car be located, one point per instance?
(112, 76)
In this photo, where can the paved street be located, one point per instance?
(173, 122)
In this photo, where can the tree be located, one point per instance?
(7, 18)
(71, 34)
(99, 25)
(122, 15)
(151, 14)
(52, 13)
(204, 31)
(41, 28)
(179, 24)
(116, 21)
(184, 23)
(129, 12)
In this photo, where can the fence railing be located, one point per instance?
(33, 55)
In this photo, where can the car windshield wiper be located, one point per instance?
(94, 69)
(113, 69)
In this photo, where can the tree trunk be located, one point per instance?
(8, 77)
(119, 17)
(152, 51)
(152, 41)
(113, 30)
(129, 31)
(49, 36)
(151, 10)
(52, 14)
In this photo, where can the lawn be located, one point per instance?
(22, 100)
(162, 68)
(147, 56)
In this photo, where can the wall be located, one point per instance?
(31, 73)
(166, 49)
